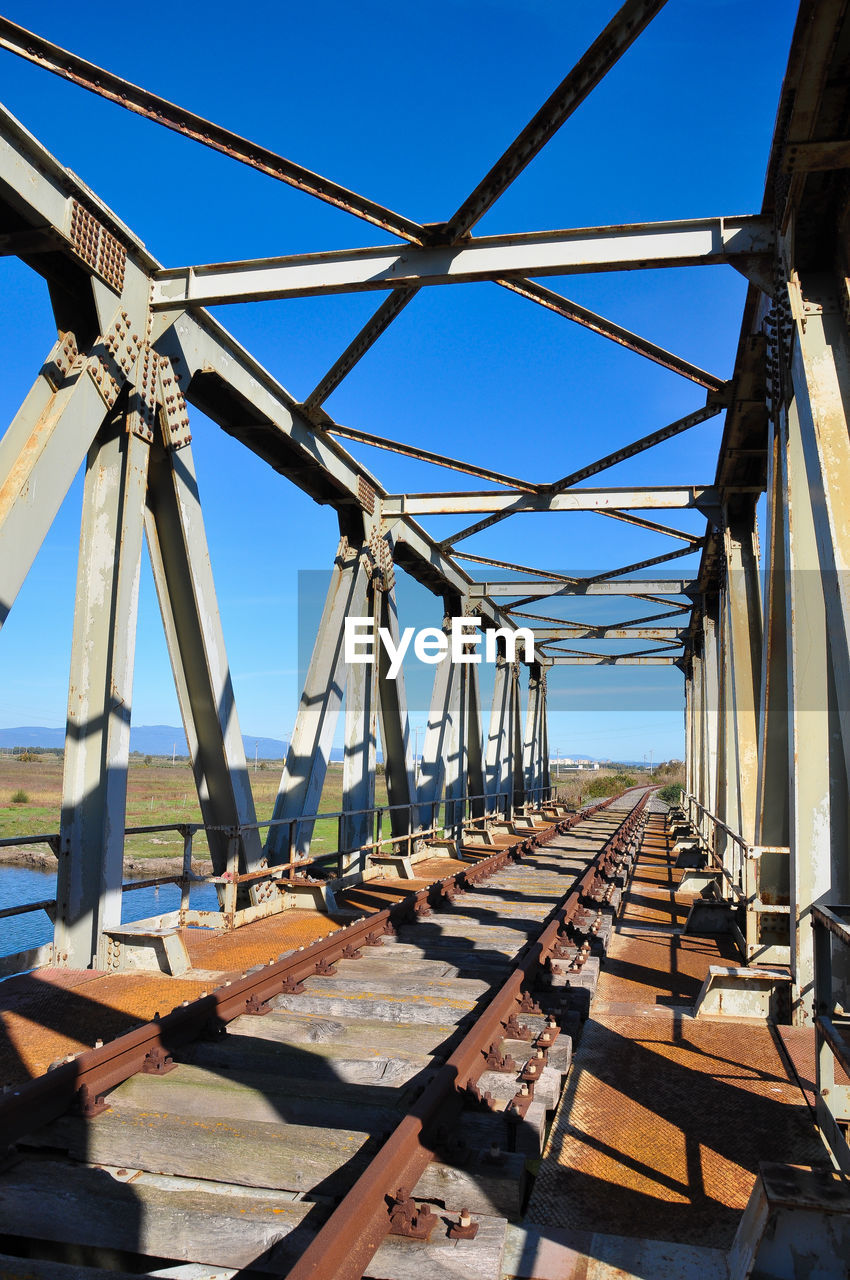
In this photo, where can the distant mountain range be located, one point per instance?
(149, 739)
(161, 739)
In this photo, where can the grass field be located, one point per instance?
(156, 793)
(160, 792)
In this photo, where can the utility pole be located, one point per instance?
(416, 771)
(173, 754)
(256, 753)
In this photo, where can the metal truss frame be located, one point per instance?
(765, 676)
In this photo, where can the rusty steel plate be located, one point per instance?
(662, 1128)
(257, 942)
(49, 1014)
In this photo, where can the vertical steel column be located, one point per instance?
(441, 737)
(187, 600)
(727, 757)
(743, 599)
(516, 759)
(811, 817)
(531, 745)
(710, 701)
(689, 728)
(309, 751)
(456, 744)
(820, 371)
(360, 751)
(695, 741)
(97, 742)
(474, 753)
(772, 811)
(544, 731)
(395, 727)
(498, 753)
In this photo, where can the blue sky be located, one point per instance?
(410, 108)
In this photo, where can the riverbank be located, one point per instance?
(39, 858)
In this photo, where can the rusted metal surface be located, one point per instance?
(263, 939)
(426, 455)
(662, 1128)
(665, 1119)
(49, 1014)
(51, 57)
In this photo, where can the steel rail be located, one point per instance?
(60, 62)
(90, 1073)
(345, 1244)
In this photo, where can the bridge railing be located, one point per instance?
(832, 1029)
(747, 884)
(449, 818)
(716, 837)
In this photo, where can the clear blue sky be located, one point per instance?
(412, 108)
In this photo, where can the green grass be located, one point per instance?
(20, 797)
(610, 785)
(671, 794)
(157, 793)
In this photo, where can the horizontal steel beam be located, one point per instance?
(618, 587)
(607, 633)
(700, 241)
(658, 497)
(613, 661)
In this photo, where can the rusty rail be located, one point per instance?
(83, 1079)
(344, 1246)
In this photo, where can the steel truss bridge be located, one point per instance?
(762, 638)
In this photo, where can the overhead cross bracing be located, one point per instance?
(223, 378)
(139, 354)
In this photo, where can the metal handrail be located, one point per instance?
(292, 866)
(831, 1032)
(737, 885)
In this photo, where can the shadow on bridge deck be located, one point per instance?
(666, 1116)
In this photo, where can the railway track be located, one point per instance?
(367, 1105)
